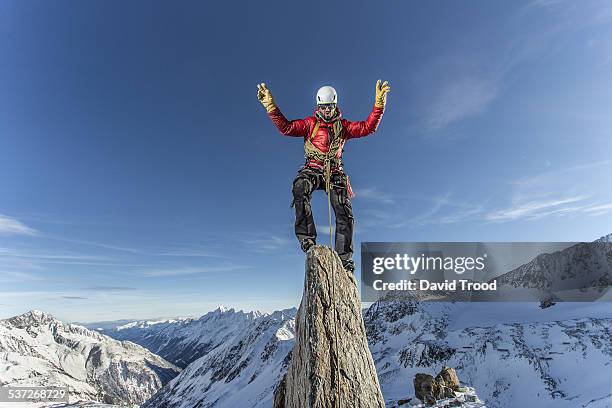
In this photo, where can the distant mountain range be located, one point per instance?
(183, 340)
(38, 350)
(242, 370)
(512, 354)
(580, 272)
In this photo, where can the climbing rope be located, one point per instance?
(328, 190)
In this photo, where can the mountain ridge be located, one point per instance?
(36, 349)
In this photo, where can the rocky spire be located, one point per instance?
(331, 364)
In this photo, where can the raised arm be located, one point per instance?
(299, 127)
(368, 126)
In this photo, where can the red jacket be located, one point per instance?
(304, 127)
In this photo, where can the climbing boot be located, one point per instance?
(307, 244)
(349, 265)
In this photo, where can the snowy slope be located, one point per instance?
(464, 399)
(79, 404)
(550, 356)
(86, 404)
(241, 372)
(36, 349)
(182, 341)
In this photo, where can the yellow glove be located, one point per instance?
(381, 94)
(265, 97)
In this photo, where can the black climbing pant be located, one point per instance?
(309, 180)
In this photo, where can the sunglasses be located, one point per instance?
(330, 106)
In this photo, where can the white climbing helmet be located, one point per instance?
(326, 94)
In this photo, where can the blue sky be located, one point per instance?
(140, 177)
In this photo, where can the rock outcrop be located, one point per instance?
(331, 364)
(441, 391)
(448, 377)
(429, 389)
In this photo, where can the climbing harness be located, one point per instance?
(327, 159)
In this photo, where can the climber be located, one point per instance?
(324, 136)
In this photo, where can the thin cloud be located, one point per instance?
(451, 215)
(554, 175)
(102, 288)
(546, 177)
(574, 15)
(12, 226)
(39, 258)
(543, 3)
(376, 215)
(375, 194)
(98, 244)
(266, 243)
(472, 90)
(460, 215)
(146, 252)
(74, 297)
(598, 209)
(372, 218)
(192, 271)
(440, 209)
(114, 264)
(191, 254)
(460, 99)
(56, 256)
(16, 253)
(443, 209)
(438, 203)
(535, 209)
(29, 294)
(18, 276)
(536, 196)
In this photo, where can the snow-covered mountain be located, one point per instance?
(111, 326)
(182, 341)
(242, 371)
(36, 349)
(104, 325)
(581, 267)
(80, 404)
(606, 238)
(513, 354)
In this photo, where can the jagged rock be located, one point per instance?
(548, 302)
(331, 364)
(279, 394)
(426, 388)
(448, 377)
(466, 398)
(429, 389)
